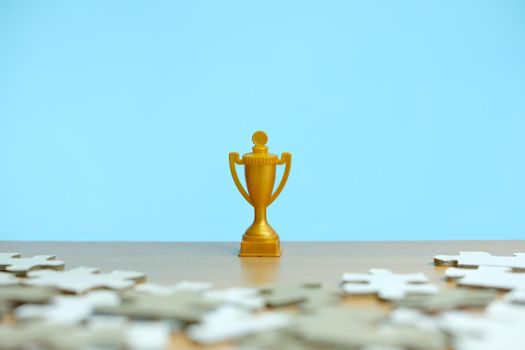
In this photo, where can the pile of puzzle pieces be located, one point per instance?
(45, 306)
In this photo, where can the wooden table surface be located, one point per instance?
(218, 263)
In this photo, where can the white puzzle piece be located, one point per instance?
(139, 335)
(516, 297)
(248, 298)
(34, 335)
(506, 312)
(474, 259)
(230, 322)
(487, 277)
(413, 318)
(183, 307)
(387, 285)
(13, 296)
(68, 309)
(448, 299)
(500, 327)
(13, 262)
(184, 286)
(347, 328)
(8, 279)
(148, 335)
(83, 279)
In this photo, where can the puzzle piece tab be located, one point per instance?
(475, 259)
(14, 263)
(83, 279)
(387, 285)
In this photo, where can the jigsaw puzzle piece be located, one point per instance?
(467, 330)
(348, 328)
(448, 300)
(148, 335)
(184, 286)
(387, 285)
(487, 277)
(8, 279)
(516, 297)
(414, 318)
(139, 335)
(475, 259)
(285, 295)
(68, 309)
(14, 263)
(185, 307)
(83, 279)
(500, 327)
(247, 298)
(306, 295)
(230, 322)
(289, 337)
(271, 340)
(41, 336)
(12, 296)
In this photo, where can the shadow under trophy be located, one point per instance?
(260, 239)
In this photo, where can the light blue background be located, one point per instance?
(406, 119)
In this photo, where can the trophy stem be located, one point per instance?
(260, 239)
(260, 215)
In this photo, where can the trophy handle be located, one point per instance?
(286, 158)
(234, 159)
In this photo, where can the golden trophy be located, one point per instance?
(260, 239)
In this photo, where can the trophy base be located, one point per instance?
(263, 249)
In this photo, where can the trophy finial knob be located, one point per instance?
(259, 138)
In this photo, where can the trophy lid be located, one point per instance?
(260, 155)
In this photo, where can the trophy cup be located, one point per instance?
(260, 239)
